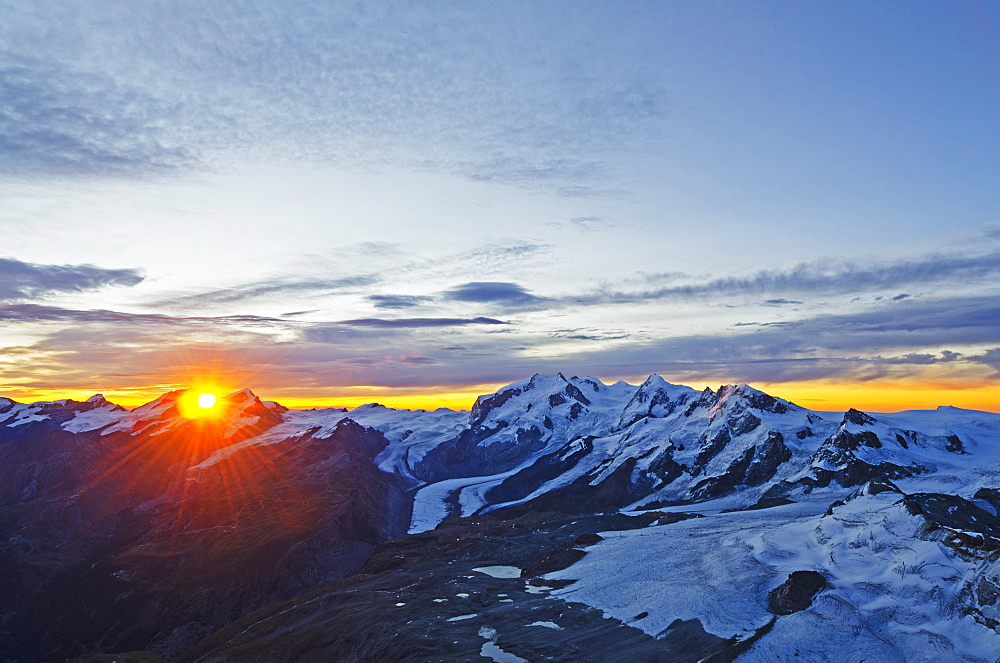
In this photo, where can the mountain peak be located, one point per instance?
(369, 406)
(753, 398)
(243, 396)
(539, 380)
(653, 380)
(168, 398)
(858, 417)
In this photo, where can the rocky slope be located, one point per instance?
(149, 531)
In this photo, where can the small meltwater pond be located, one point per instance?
(493, 652)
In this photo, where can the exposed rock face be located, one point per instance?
(796, 593)
(742, 422)
(991, 496)
(857, 417)
(587, 494)
(753, 468)
(857, 453)
(956, 522)
(711, 447)
(546, 468)
(955, 444)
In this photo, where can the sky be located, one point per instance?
(334, 203)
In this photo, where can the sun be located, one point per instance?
(200, 403)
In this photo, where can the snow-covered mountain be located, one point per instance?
(725, 523)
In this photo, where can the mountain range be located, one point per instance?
(561, 519)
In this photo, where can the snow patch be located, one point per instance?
(499, 572)
(551, 625)
(93, 419)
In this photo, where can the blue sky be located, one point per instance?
(437, 197)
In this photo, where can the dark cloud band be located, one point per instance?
(24, 280)
(493, 292)
(397, 301)
(412, 323)
(38, 313)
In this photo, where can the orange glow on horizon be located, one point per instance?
(877, 396)
(201, 369)
(816, 395)
(130, 399)
(457, 400)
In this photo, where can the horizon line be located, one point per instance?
(873, 396)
